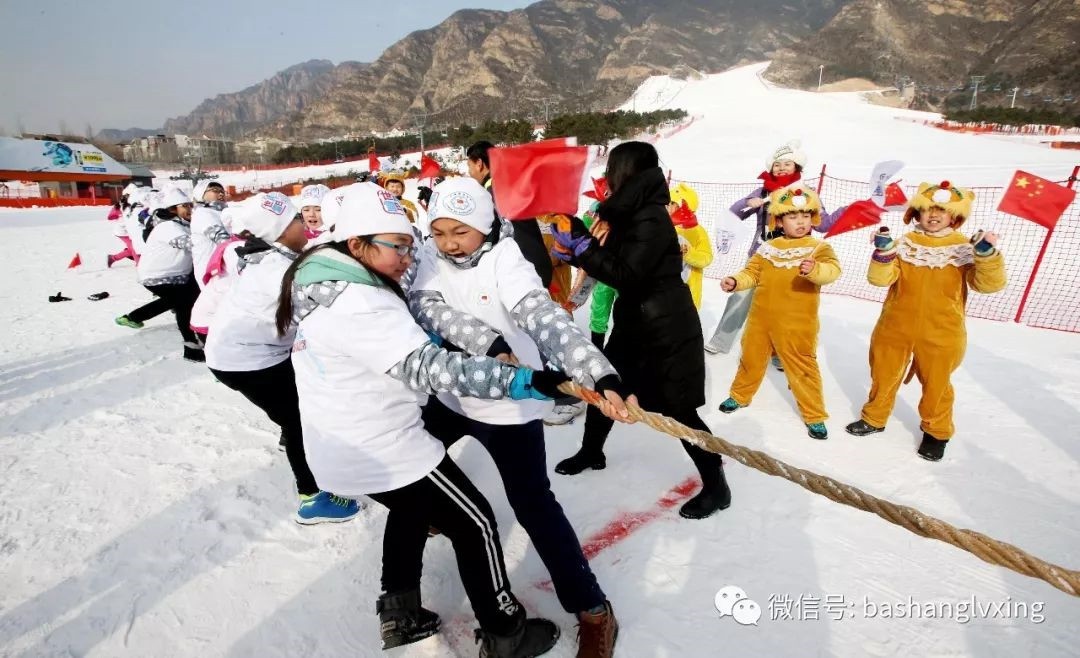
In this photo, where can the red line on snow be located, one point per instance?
(627, 523)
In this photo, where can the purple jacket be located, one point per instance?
(742, 210)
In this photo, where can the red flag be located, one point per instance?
(1036, 199)
(894, 196)
(429, 167)
(599, 191)
(75, 262)
(684, 217)
(372, 162)
(858, 215)
(538, 178)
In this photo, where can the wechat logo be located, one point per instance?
(731, 601)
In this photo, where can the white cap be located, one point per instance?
(465, 200)
(312, 195)
(153, 201)
(174, 196)
(790, 151)
(202, 186)
(368, 209)
(331, 205)
(128, 189)
(266, 217)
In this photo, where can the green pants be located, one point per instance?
(603, 296)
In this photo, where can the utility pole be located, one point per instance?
(975, 80)
(820, 72)
(1013, 103)
(420, 119)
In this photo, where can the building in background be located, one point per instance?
(67, 172)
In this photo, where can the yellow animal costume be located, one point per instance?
(700, 254)
(561, 285)
(409, 206)
(928, 277)
(784, 313)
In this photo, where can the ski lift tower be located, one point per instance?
(975, 81)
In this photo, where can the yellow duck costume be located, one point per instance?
(700, 253)
(928, 276)
(784, 313)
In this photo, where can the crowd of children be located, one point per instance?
(375, 346)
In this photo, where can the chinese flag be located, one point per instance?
(372, 162)
(75, 262)
(599, 190)
(538, 178)
(429, 168)
(894, 196)
(858, 215)
(1036, 199)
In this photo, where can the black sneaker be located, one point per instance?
(532, 637)
(932, 449)
(579, 462)
(194, 354)
(862, 428)
(402, 621)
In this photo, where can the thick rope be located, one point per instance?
(985, 548)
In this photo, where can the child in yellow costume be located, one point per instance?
(928, 272)
(696, 249)
(788, 273)
(395, 184)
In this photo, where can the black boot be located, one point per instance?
(281, 442)
(862, 428)
(580, 461)
(598, 340)
(402, 620)
(713, 497)
(532, 637)
(932, 449)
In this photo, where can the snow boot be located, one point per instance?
(598, 339)
(932, 449)
(730, 406)
(194, 352)
(713, 497)
(562, 414)
(402, 621)
(125, 321)
(597, 632)
(580, 461)
(532, 637)
(862, 428)
(281, 442)
(776, 363)
(817, 431)
(325, 507)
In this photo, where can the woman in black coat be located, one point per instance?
(656, 343)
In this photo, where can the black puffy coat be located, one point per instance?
(656, 343)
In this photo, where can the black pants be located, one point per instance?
(177, 297)
(446, 499)
(273, 390)
(518, 452)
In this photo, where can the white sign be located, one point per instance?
(41, 155)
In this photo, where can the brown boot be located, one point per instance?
(597, 633)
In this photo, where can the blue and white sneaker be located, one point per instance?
(325, 507)
(817, 431)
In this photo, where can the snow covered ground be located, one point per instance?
(147, 511)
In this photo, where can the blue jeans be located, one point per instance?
(519, 454)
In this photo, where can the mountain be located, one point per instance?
(233, 114)
(121, 136)
(1030, 44)
(564, 53)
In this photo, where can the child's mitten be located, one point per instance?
(884, 246)
(982, 246)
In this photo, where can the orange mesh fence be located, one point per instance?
(1054, 298)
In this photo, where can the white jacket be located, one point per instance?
(133, 228)
(166, 258)
(207, 232)
(362, 427)
(242, 335)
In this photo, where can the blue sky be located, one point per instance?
(122, 64)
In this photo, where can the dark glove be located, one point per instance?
(571, 239)
(423, 194)
(612, 383)
(529, 384)
(547, 382)
(499, 346)
(982, 247)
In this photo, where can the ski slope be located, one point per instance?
(147, 511)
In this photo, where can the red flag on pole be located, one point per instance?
(75, 262)
(372, 162)
(538, 178)
(1036, 199)
(858, 215)
(429, 167)
(894, 196)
